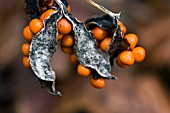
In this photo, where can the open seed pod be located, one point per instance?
(105, 22)
(43, 46)
(84, 47)
(117, 45)
(109, 22)
(44, 42)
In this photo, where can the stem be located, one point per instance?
(103, 9)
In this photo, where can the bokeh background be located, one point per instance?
(141, 88)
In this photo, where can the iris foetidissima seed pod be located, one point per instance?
(43, 46)
(106, 22)
(44, 42)
(110, 24)
(85, 47)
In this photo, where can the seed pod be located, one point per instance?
(43, 46)
(105, 22)
(85, 47)
(116, 34)
(117, 45)
(110, 24)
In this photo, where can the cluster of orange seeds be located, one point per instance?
(36, 25)
(133, 53)
(67, 42)
(124, 59)
(127, 57)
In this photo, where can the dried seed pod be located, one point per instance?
(85, 47)
(109, 22)
(105, 22)
(44, 42)
(43, 46)
(117, 45)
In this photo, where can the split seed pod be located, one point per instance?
(109, 22)
(44, 42)
(84, 47)
(43, 46)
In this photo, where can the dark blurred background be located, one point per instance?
(142, 88)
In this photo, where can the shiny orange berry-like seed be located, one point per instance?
(132, 40)
(36, 25)
(26, 62)
(64, 26)
(98, 83)
(60, 36)
(83, 71)
(73, 59)
(122, 27)
(139, 54)
(67, 40)
(42, 16)
(48, 13)
(105, 43)
(27, 33)
(126, 58)
(120, 64)
(120, 23)
(99, 33)
(25, 49)
(67, 50)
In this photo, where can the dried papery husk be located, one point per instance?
(105, 22)
(43, 46)
(85, 47)
(109, 22)
(117, 45)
